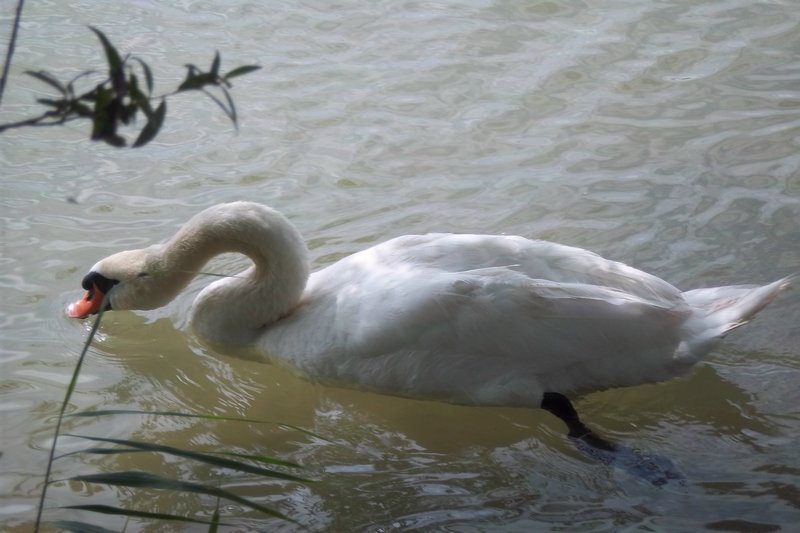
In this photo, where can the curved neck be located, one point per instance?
(232, 310)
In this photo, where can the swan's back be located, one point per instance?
(536, 259)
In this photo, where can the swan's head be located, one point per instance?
(126, 280)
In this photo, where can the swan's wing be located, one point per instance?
(497, 312)
(492, 335)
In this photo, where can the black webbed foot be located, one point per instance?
(655, 469)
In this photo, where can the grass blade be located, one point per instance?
(119, 511)
(261, 459)
(109, 412)
(101, 451)
(80, 527)
(197, 456)
(154, 481)
(258, 458)
(212, 528)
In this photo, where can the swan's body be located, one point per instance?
(472, 319)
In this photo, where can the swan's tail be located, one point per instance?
(718, 310)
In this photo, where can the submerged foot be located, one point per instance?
(653, 468)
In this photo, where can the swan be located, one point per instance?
(488, 320)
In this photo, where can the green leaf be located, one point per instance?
(49, 79)
(154, 123)
(148, 75)
(215, 65)
(112, 56)
(230, 113)
(104, 117)
(196, 456)
(240, 71)
(154, 481)
(119, 511)
(138, 99)
(133, 84)
(233, 116)
(80, 527)
(127, 112)
(196, 81)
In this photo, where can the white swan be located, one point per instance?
(470, 319)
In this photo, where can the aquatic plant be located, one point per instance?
(248, 463)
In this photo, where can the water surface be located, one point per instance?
(662, 134)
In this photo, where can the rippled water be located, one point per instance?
(663, 134)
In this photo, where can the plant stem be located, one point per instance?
(64, 405)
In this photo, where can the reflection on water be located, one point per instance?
(660, 134)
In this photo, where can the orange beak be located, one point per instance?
(89, 305)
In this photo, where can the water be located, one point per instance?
(663, 134)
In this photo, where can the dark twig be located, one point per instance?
(10, 51)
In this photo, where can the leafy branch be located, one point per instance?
(117, 100)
